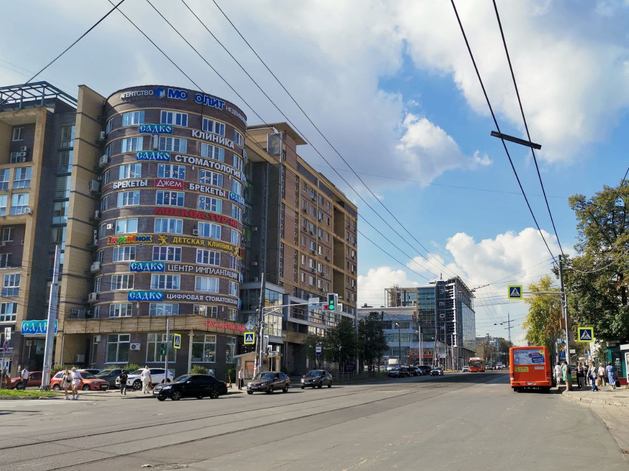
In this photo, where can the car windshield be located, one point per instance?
(106, 373)
(137, 372)
(86, 375)
(267, 375)
(315, 373)
(181, 379)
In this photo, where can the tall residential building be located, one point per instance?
(447, 317)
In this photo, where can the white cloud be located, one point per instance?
(371, 286)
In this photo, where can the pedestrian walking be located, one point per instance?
(567, 375)
(241, 378)
(24, 376)
(592, 374)
(601, 375)
(76, 379)
(66, 382)
(123, 382)
(581, 374)
(147, 381)
(558, 374)
(611, 375)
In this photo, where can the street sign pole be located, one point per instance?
(167, 345)
(564, 308)
(52, 318)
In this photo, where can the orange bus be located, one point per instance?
(477, 364)
(530, 367)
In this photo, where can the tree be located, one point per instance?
(312, 341)
(339, 344)
(595, 279)
(543, 321)
(371, 341)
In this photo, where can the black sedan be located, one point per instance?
(316, 379)
(198, 386)
(268, 381)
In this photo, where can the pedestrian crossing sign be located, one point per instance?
(586, 334)
(177, 341)
(250, 338)
(515, 291)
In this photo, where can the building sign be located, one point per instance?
(36, 327)
(152, 155)
(130, 239)
(225, 325)
(156, 128)
(208, 163)
(236, 198)
(193, 213)
(146, 266)
(198, 242)
(207, 189)
(145, 296)
(211, 137)
(202, 270)
(236, 113)
(136, 93)
(204, 298)
(130, 184)
(209, 100)
(169, 184)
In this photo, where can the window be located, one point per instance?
(237, 162)
(213, 126)
(67, 136)
(311, 263)
(207, 311)
(5, 260)
(311, 280)
(62, 187)
(60, 212)
(159, 282)
(104, 204)
(234, 263)
(204, 348)
(154, 348)
(123, 254)
(118, 346)
(176, 119)
(166, 254)
(177, 172)
(173, 144)
(233, 314)
(18, 134)
(168, 225)
(22, 177)
(129, 171)
(109, 126)
(3, 205)
(126, 226)
(207, 203)
(8, 312)
(212, 152)
(238, 138)
(4, 179)
(211, 178)
(208, 257)
(208, 229)
(236, 213)
(169, 198)
(7, 234)
(19, 203)
(131, 144)
(231, 349)
(120, 310)
(121, 282)
(132, 117)
(161, 309)
(237, 187)
(11, 285)
(128, 198)
(233, 288)
(206, 284)
(234, 237)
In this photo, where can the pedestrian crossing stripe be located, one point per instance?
(515, 291)
(586, 334)
(250, 338)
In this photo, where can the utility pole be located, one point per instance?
(167, 345)
(260, 356)
(399, 345)
(564, 307)
(509, 324)
(52, 319)
(420, 360)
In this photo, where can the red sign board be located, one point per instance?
(225, 325)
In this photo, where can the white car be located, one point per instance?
(465, 369)
(134, 379)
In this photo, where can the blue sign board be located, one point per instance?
(236, 198)
(147, 266)
(318, 349)
(36, 327)
(586, 334)
(515, 291)
(152, 155)
(156, 128)
(145, 296)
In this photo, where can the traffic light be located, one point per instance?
(163, 351)
(332, 300)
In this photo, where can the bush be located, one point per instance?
(57, 368)
(230, 371)
(198, 370)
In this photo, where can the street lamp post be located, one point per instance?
(399, 344)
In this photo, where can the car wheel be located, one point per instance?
(249, 392)
(285, 390)
(161, 398)
(329, 385)
(86, 388)
(175, 396)
(199, 397)
(56, 387)
(303, 387)
(20, 386)
(214, 394)
(137, 385)
(320, 385)
(314, 386)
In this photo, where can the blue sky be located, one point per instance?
(391, 85)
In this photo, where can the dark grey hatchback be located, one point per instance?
(269, 381)
(198, 386)
(316, 379)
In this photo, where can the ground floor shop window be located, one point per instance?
(154, 347)
(118, 348)
(231, 350)
(204, 348)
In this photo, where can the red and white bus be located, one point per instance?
(530, 367)
(477, 364)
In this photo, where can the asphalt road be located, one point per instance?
(458, 422)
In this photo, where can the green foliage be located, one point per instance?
(57, 368)
(230, 371)
(371, 341)
(128, 367)
(543, 325)
(340, 343)
(311, 342)
(26, 393)
(198, 370)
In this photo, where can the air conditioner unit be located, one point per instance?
(97, 214)
(305, 210)
(135, 347)
(97, 339)
(21, 159)
(94, 186)
(21, 154)
(24, 149)
(95, 267)
(103, 161)
(109, 226)
(327, 258)
(195, 231)
(254, 229)
(255, 278)
(254, 264)
(92, 297)
(28, 210)
(102, 135)
(79, 358)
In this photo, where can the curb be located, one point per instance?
(592, 401)
(30, 398)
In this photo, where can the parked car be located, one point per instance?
(316, 378)
(268, 381)
(134, 380)
(414, 371)
(465, 369)
(88, 382)
(198, 386)
(425, 369)
(401, 372)
(34, 379)
(110, 376)
(436, 371)
(92, 371)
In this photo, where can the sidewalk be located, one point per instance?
(606, 396)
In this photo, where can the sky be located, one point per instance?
(391, 86)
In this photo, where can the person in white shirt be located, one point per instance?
(146, 380)
(558, 374)
(76, 379)
(241, 378)
(24, 375)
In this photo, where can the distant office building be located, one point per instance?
(446, 314)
